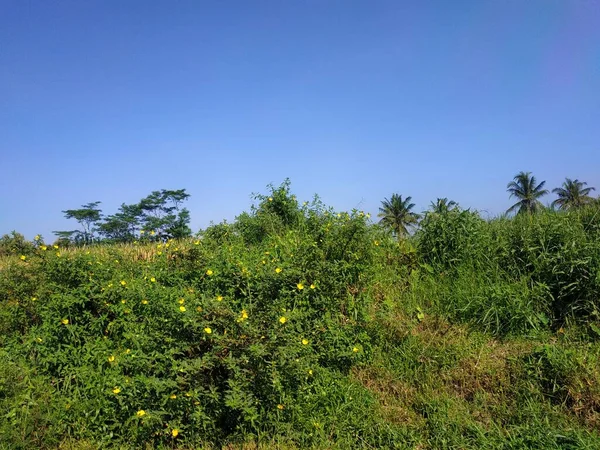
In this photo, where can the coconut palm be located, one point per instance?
(572, 194)
(442, 205)
(396, 214)
(524, 187)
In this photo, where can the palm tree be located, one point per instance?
(572, 194)
(396, 214)
(525, 188)
(442, 206)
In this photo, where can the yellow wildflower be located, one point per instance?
(199, 308)
(282, 320)
(172, 396)
(280, 406)
(175, 432)
(33, 299)
(116, 390)
(23, 257)
(300, 286)
(270, 199)
(209, 272)
(181, 301)
(123, 282)
(310, 372)
(153, 280)
(43, 247)
(278, 270)
(128, 351)
(304, 341)
(144, 302)
(37, 237)
(55, 246)
(141, 413)
(312, 286)
(196, 242)
(182, 308)
(355, 349)
(207, 330)
(219, 298)
(65, 321)
(111, 358)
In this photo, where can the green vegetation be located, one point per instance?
(298, 326)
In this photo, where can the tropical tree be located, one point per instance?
(88, 217)
(525, 188)
(396, 214)
(572, 194)
(442, 205)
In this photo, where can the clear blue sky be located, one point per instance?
(352, 100)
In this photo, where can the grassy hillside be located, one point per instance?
(301, 327)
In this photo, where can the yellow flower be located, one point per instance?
(300, 286)
(175, 432)
(219, 298)
(152, 233)
(141, 413)
(196, 242)
(355, 349)
(182, 308)
(144, 302)
(278, 270)
(310, 372)
(39, 339)
(199, 308)
(181, 301)
(243, 316)
(55, 246)
(43, 247)
(33, 299)
(23, 257)
(37, 237)
(304, 341)
(111, 358)
(58, 254)
(65, 321)
(282, 320)
(159, 253)
(172, 396)
(142, 231)
(270, 199)
(123, 301)
(153, 280)
(123, 283)
(209, 272)
(280, 406)
(128, 351)
(207, 330)
(376, 243)
(116, 390)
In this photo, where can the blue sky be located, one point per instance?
(352, 100)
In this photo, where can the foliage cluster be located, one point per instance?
(298, 326)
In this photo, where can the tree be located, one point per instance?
(572, 194)
(442, 206)
(87, 216)
(122, 226)
(524, 187)
(396, 214)
(160, 213)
